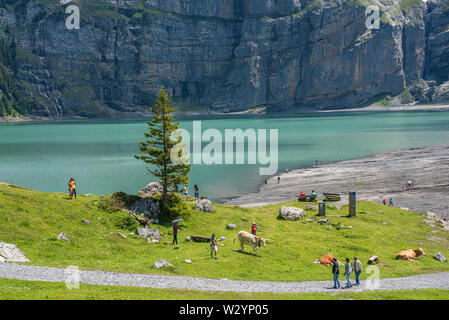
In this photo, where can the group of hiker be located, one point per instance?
(356, 267)
(390, 202)
(409, 185)
(196, 190)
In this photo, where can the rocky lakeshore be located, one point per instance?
(374, 178)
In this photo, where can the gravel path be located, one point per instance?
(374, 178)
(34, 273)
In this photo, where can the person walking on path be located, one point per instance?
(348, 271)
(279, 179)
(384, 202)
(357, 270)
(185, 190)
(213, 246)
(197, 191)
(72, 188)
(336, 273)
(176, 188)
(390, 203)
(253, 229)
(175, 233)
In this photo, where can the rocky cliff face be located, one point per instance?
(226, 55)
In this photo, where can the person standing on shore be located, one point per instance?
(357, 270)
(72, 188)
(390, 203)
(185, 190)
(336, 273)
(197, 191)
(175, 233)
(348, 271)
(279, 179)
(213, 246)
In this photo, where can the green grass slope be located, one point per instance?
(34, 290)
(32, 220)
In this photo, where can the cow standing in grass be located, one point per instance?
(252, 240)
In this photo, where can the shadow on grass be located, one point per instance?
(247, 253)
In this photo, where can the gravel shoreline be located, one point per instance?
(50, 274)
(373, 178)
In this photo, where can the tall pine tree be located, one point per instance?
(158, 145)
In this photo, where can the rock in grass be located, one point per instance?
(311, 207)
(122, 235)
(62, 236)
(154, 234)
(200, 238)
(440, 257)
(291, 213)
(188, 239)
(323, 221)
(162, 264)
(188, 261)
(222, 239)
(204, 205)
(86, 222)
(231, 226)
(372, 260)
(10, 253)
(151, 189)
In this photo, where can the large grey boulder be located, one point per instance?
(152, 234)
(150, 189)
(231, 226)
(204, 205)
(291, 213)
(147, 207)
(162, 264)
(442, 93)
(10, 253)
(440, 257)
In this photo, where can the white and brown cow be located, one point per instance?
(252, 240)
(410, 254)
(327, 260)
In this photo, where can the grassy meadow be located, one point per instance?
(32, 220)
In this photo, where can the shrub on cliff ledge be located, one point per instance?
(175, 205)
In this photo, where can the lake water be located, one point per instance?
(99, 153)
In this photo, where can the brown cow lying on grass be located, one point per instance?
(327, 260)
(410, 254)
(252, 240)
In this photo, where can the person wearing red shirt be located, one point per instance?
(253, 229)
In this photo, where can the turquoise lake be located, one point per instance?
(99, 154)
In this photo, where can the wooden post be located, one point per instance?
(352, 203)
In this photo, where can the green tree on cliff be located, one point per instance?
(158, 146)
